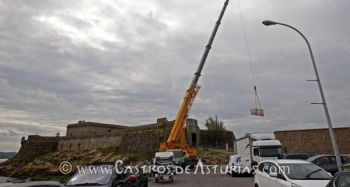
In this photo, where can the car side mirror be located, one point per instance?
(274, 175)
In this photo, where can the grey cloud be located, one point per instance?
(130, 62)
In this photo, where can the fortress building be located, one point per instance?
(144, 139)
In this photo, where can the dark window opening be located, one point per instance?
(194, 139)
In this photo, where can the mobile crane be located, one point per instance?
(177, 137)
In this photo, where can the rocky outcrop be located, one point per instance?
(48, 164)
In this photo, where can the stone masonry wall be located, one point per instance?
(83, 128)
(146, 141)
(192, 132)
(86, 143)
(36, 145)
(314, 141)
(90, 135)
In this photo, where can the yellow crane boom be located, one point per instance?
(177, 137)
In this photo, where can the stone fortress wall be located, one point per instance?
(144, 139)
(90, 129)
(314, 141)
(92, 135)
(36, 145)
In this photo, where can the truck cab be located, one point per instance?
(252, 149)
(266, 150)
(163, 158)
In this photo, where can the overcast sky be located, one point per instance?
(130, 62)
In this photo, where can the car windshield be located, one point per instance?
(92, 175)
(270, 151)
(343, 180)
(305, 171)
(178, 154)
(164, 158)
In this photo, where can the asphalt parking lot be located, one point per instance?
(207, 180)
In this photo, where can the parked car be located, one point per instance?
(107, 176)
(164, 171)
(340, 180)
(328, 162)
(290, 173)
(32, 184)
(164, 163)
(136, 180)
(164, 177)
(346, 167)
(296, 156)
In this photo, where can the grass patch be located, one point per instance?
(211, 152)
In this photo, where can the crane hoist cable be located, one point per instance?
(257, 111)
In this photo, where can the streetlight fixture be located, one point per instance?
(330, 128)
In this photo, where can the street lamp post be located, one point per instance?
(330, 128)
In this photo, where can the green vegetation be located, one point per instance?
(214, 124)
(213, 156)
(216, 130)
(205, 152)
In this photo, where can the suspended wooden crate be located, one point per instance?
(257, 112)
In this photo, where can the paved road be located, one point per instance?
(216, 180)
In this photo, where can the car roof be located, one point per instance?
(343, 173)
(291, 161)
(318, 156)
(50, 183)
(288, 161)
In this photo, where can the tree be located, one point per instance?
(214, 124)
(216, 129)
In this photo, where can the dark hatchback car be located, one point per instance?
(296, 156)
(328, 162)
(340, 180)
(106, 176)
